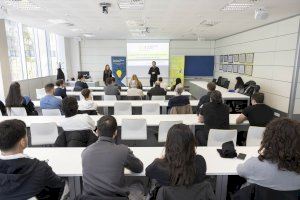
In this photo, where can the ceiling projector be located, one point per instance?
(261, 14)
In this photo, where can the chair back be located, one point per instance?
(158, 97)
(122, 108)
(216, 137)
(150, 109)
(134, 129)
(16, 111)
(40, 93)
(0, 114)
(51, 112)
(43, 133)
(186, 109)
(163, 129)
(59, 97)
(255, 135)
(109, 98)
(226, 84)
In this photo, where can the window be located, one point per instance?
(53, 53)
(43, 52)
(14, 50)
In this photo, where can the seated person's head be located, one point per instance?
(81, 77)
(180, 152)
(280, 144)
(109, 81)
(86, 93)
(216, 97)
(179, 89)
(211, 86)
(178, 81)
(60, 83)
(69, 106)
(113, 79)
(257, 98)
(160, 79)
(107, 126)
(13, 136)
(49, 88)
(157, 83)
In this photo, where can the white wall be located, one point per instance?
(274, 48)
(73, 60)
(95, 54)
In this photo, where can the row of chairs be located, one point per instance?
(136, 129)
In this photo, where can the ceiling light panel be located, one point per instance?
(131, 4)
(238, 6)
(22, 4)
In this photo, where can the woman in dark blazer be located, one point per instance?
(107, 73)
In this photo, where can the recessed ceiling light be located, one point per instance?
(75, 29)
(57, 21)
(131, 4)
(88, 35)
(237, 6)
(22, 4)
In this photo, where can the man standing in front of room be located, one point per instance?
(154, 72)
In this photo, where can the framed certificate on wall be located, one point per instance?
(229, 68)
(235, 68)
(249, 57)
(241, 69)
(230, 58)
(242, 58)
(224, 68)
(248, 70)
(236, 57)
(225, 58)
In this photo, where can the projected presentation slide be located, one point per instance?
(141, 55)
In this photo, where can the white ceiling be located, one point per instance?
(167, 19)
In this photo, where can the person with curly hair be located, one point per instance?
(278, 165)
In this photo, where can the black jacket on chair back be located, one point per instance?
(80, 138)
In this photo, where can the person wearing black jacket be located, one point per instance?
(107, 73)
(60, 73)
(156, 90)
(206, 98)
(2, 108)
(154, 72)
(23, 177)
(80, 83)
(61, 89)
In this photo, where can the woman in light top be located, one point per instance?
(278, 165)
(135, 82)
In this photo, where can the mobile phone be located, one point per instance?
(241, 156)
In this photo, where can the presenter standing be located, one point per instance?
(107, 73)
(154, 72)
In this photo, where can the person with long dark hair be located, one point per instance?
(239, 86)
(15, 99)
(177, 81)
(278, 164)
(180, 166)
(107, 73)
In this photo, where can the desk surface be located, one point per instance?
(124, 93)
(67, 161)
(224, 91)
(152, 120)
(101, 88)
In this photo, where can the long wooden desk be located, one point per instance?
(66, 162)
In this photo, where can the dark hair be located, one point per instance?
(211, 86)
(49, 87)
(69, 106)
(113, 79)
(216, 97)
(280, 144)
(107, 126)
(59, 82)
(86, 93)
(178, 80)
(180, 155)
(154, 61)
(160, 79)
(11, 132)
(80, 76)
(258, 97)
(14, 97)
(108, 81)
(239, 83)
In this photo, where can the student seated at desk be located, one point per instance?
(180, 166)
(87, 104)
(259, 114)
(135, 82)
(2, 108)
(61, 89)
(103, 165)
(206, 98)
(163, 84)
(15, 99)
(277, 166)
(240, 85)
(80, 83)
(177, 81)
(178, 99)
(49, 101)
(111, 88)
(21, 176)
(156, 90)
(214, 115)
(133, 91)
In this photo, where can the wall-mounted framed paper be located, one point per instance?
(225, 58)
(230, 58)
(241, 69)
(224, 68)
(248, 70)
(220, 67)
(229, 68)
(221, 58)
(235, 68)
(249, 57)
(236, 57)
(242, 58)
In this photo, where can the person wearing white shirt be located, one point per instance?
(134, 91)
(87, 103)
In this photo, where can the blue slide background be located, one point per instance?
(199, 66)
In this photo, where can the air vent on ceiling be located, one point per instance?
(131, 4)
(238, 5)
(22, 4)
(208, 23)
